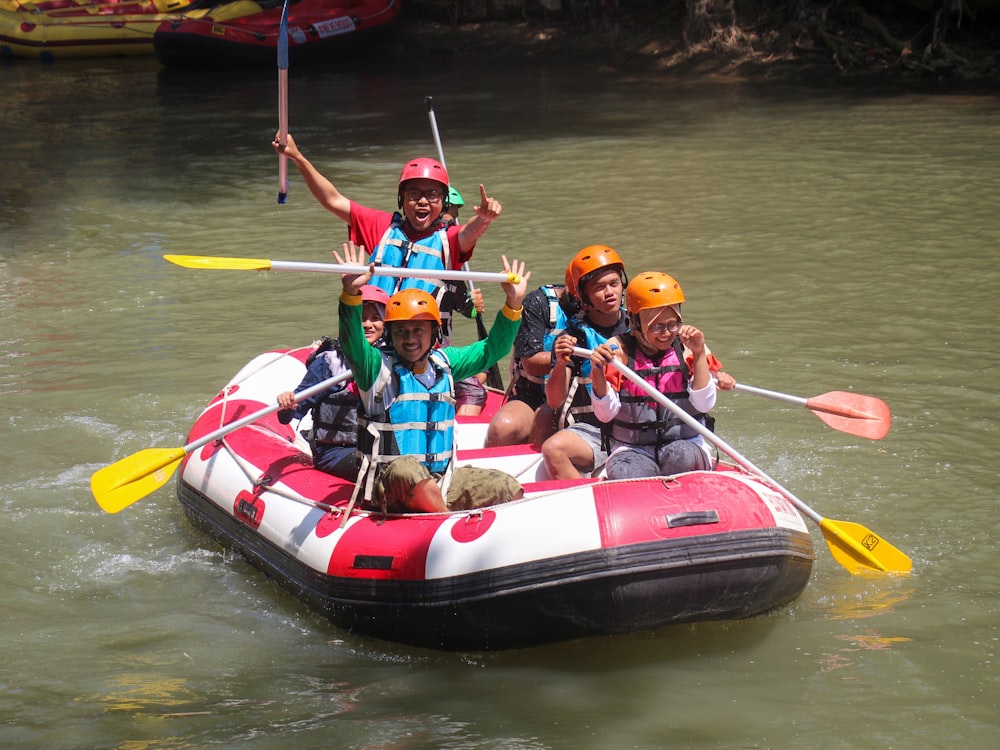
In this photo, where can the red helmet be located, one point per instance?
(424, 169)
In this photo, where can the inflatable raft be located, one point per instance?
(571, 559)
(56, 29)
(232, 37)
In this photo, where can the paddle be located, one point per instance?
(493, 377)
(852, 545)
(854, 413)
(429, 101)
(209, 262)
(124, 482)
(283, 103)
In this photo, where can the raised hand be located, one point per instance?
(354, 255)
(289, 149)
(515, 292)
(692, 338)
(488, 208)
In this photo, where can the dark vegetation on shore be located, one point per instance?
(937, 40)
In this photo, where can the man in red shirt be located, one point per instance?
(421, 199)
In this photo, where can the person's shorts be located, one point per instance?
(591, 435)
(531, 393)
(470, 392)
(471, 487)
(339, 460)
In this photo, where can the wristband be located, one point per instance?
(510, 313)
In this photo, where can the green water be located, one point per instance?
(826, 240)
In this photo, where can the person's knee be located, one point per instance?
(502, 426)
(683, 455)
(426, 497)
(631, 465)
(568, 455)
(474, 487)
(554, 447)
(398, 480)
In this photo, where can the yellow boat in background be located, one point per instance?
(57, 29)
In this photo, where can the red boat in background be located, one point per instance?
(245, 34)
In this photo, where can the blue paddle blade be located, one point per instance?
(283, 39)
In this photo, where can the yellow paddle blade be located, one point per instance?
(859, 549)
(224, 264)
(132, 478)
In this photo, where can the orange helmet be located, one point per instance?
(587, 262)
(412, 304)
(652, 289)
(424, 169)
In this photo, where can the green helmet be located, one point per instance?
(455, 197)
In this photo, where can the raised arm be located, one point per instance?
(363, 358)
(487, 210)
(324, 191)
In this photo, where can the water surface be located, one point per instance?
(825, 239)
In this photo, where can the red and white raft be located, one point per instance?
(572, 559)
(242, 34)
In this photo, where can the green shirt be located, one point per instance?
(366, 360)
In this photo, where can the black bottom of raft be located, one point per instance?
(639, 587)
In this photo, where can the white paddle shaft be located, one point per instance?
(703, 431)
(787, 398)
(412, 273)
(233, 426)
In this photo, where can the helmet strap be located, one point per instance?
(436, 338)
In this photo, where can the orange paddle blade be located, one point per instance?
(855, 413)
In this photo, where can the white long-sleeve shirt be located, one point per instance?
(607, 408)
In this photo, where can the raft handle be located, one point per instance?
(692, 518)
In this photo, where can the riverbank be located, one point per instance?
(791, 53)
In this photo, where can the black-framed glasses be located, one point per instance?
(415, 194)
(658, 329)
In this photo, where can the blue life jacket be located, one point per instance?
(578, 407)
(431, 252)
(420, 421)
(557, 316)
